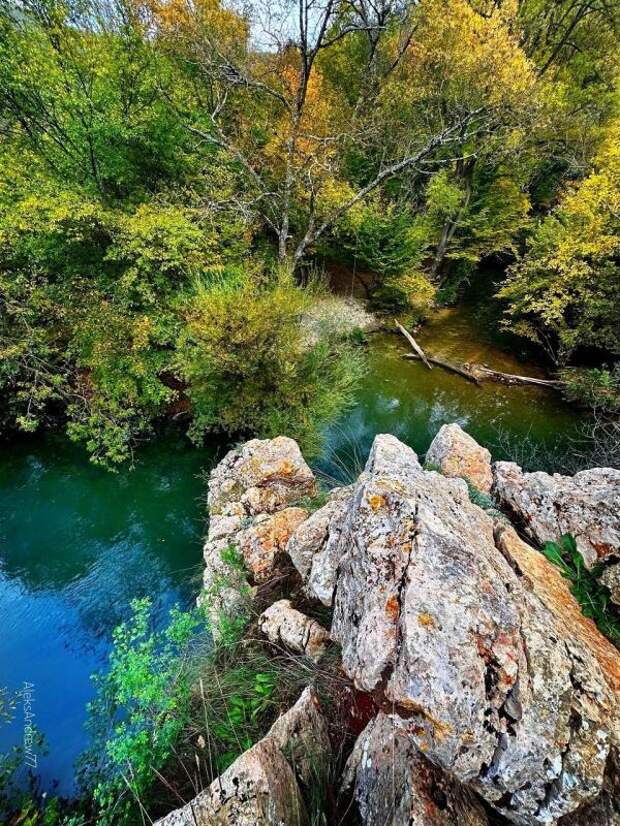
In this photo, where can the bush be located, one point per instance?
(596, 388)
(142, 706)
(249, 367)
(176, 709)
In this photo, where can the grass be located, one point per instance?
(592, 596)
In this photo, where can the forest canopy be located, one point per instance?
(171, 172)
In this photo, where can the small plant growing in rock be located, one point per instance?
(232, 556)
(592, 596)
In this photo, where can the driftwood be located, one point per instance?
(447, 366)
(510, 378)
(472, 372)
(416, 347)
(478, 373)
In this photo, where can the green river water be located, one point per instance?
(77, 543)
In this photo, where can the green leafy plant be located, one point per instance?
(585, 586)
(238, 726)
(142, 706)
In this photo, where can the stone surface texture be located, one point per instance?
(393, 784)
(261, 788)
(586, 505)
(485, 673)
(611, 579)
(284, 625)
(262, 476)
(314, 546)
(252, 500)
(455, 453)
(264, 542)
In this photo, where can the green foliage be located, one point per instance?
(247, 695)
(563, 292)
(134, 166)
(233, 557)
(598, 388)
(587, 590)
(142, 707)
(249, 367)
(391, 242)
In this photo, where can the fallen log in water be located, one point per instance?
(453, 368)
(478, 373)
(510, 378)
(416, 347)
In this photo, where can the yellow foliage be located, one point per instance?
(474, 58)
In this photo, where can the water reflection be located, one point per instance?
(77, 544)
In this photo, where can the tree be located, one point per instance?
(564, 292)
(273, 108)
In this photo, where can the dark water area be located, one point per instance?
(77, 543)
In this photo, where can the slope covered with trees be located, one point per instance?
(169, 171)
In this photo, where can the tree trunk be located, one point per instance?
(465, 171)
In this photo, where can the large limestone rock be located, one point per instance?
(393, 784)
(252, 515)
(262, 476)
(586, 505)
(284, 625)
(456, 454)
(314, 546)
(492, 685)
(261, 788)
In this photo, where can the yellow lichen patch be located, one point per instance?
(286, 467)
(426, 620)
(440, 729)
(375, 501)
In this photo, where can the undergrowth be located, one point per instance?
(592, 596)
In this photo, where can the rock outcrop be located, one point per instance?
(486, 679)
(584, 505)
(490, 683)
(284, 625)
(314, 546)
(261, 788)
(611, 579)
(456, 454)
(393, 783)
(262, 476)
(252, 500)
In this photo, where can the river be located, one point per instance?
(78, 543)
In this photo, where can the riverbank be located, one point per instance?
(78, 543)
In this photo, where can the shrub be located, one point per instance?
(596, 388)
(249, 367)
(142, 706)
